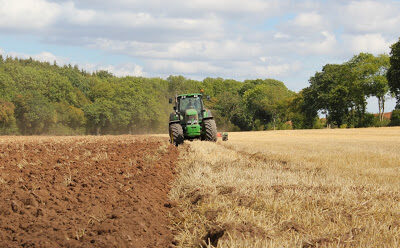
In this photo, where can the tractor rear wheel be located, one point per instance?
(176, 134)
(211, 130)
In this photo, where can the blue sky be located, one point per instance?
(287, 40)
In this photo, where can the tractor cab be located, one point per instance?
(190, 107)
(190, 102)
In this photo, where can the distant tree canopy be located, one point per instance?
(43, 98)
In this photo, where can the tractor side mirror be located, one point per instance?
(208, 98)
(174, 108)
(170, 100)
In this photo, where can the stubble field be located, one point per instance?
(311, 188)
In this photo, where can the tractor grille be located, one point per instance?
(192, 119)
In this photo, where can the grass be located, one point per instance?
(311, 188)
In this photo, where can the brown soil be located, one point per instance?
(106, 191)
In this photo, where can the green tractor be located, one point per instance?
(190, 120)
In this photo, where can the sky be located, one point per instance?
(288, 40)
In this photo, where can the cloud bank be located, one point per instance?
(200, 38)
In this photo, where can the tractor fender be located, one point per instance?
(173, 117)
(173, 122)
(207, 115)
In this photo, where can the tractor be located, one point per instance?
(190, 120)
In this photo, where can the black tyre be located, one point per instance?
(176, 134)
(210, 130)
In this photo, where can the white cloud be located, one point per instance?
(322, 43)
(120, 70)
(308, 20)
(176, 67)
(245, 70)
(185, 49)
(270, 71)
(126, 19)
(239, 70)
(123, 69)
(279, 70)
(43, 57)
(370, 16)
(47, 56)
(280, 35)
(327, 45)
(237, 6)
(201, 38)
(77, 16)
(196, 8)
(25, 14)
(372, 43)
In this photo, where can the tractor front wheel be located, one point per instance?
(176, 134)
(210, 130)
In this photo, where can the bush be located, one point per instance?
(395, 120)
(319, 123)
(285, 126)
(62, 130)
(369, 120)
(11, 130)
(384, 123)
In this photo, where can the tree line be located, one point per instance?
(340, 91)
(42, 98)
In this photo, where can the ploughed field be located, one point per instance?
(108, 191)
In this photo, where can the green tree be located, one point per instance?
(103, 74)
(34, 114)
(100, 89)
(7, 119)
(263, 102)
(99, 116)
(393, 74)
(181, 85)
(7, 86)
(70, 116)
(341, 91)
(301, 110)
(131, 98)
(227, 109)
(330, 91)
(370, 72)
(395, 119)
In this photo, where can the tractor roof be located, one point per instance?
(189, 95)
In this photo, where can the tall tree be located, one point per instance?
(393, 74)
(100, 116)
(370, 72)
(380, 84)
(263, 101)
(302, 110)
(34, 113)
(331, 91)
